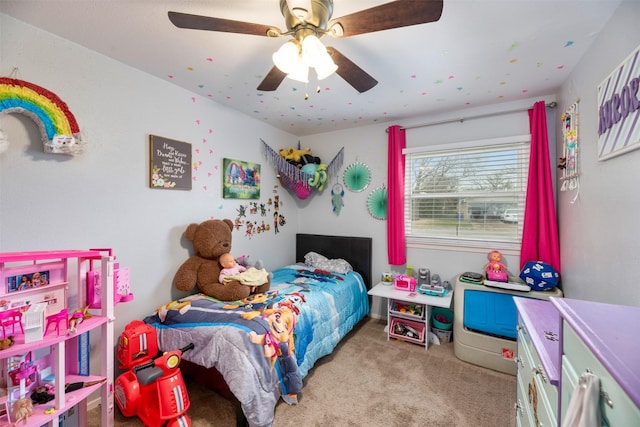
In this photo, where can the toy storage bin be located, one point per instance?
(403, 308)
(402, 324)
(441, 329)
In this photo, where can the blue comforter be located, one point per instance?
(265, 345)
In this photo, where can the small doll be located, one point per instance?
(230, 267)
(495, 269)
(77, 317)
(22, 410)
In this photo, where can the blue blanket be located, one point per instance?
(265, 345)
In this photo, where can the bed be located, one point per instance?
(258, 351)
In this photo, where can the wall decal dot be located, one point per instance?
(210, 151)
(459, 88)
(201, 86)
(204, 187)
(500, 97)
(194, 178)
(228, 97)
(423, 93)
(450, 77)
(438, 82)
(216, 167)
(568, 43)
(413, 76)
(197, 151)
(208, 173)
(560, 67)
(170, 76)
(513, 61)
(193, 99)
(204, 140)
(190, 68)
(210, 130)
(197, 121)
(210, 59)
(513, 46)
(525, 90)
(260, 94)
(539, 64)
(503, 83)
(467, 103)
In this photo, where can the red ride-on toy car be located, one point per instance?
(153, 389)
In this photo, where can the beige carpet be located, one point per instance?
(369, 381)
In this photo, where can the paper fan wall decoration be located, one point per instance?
(357, 176)
(377, 203)
(58, 127)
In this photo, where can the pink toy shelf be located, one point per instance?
(42, 346)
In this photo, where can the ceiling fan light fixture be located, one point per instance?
(287, 57)
(300, 72)
(313, 51)
(325, 68)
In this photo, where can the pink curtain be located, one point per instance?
(540, 232)
(396, 247)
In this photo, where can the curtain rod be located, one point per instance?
(479, 116)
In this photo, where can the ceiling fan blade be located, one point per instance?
(350, 72)
(395, 14)
(272, 80)
(199, 22)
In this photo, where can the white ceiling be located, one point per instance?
(480, 52)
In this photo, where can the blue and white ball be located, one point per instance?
(539, 275)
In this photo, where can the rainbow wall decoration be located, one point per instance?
(58, 126)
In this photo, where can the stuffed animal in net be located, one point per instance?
(211, 239)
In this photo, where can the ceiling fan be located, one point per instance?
(306, 22)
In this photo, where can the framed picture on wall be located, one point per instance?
(169, 164)
(241, 180)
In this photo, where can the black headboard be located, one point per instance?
(355, 250)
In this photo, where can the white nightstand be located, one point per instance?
(419, 320)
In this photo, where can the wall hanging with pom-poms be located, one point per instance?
(58, 127)
(300, 171)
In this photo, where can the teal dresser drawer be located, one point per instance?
(615, 404)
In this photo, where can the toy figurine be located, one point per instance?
(77, 317)
(22, 410)
(495, 269)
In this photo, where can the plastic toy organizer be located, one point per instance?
(407, 330)
(407, 309)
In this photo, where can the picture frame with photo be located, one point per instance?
(23, 282)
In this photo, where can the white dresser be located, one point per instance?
(605, 340)
(538, 363)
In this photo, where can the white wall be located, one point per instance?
(599, 233)
(369, 145)
(102, 198)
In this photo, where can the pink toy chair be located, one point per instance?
(56, 318)
(10, 318)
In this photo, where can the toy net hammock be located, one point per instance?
(292, 177)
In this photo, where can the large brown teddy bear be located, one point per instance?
(211, 239)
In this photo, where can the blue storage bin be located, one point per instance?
(490, 313)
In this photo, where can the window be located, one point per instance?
(467, 194)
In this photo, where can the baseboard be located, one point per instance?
(93, 403)
(377, 316)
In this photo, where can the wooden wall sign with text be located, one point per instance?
(169, 164)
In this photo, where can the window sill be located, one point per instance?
(463, 245)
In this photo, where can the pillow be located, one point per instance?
(315, 260)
